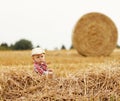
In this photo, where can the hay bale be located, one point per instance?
(95, 34)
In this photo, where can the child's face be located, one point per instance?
(39, 58)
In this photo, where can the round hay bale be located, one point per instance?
(95, 34)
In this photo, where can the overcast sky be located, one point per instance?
(49, 23)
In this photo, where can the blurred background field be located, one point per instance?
(75, 77)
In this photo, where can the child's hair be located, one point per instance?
(37, 51)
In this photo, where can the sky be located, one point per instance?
(49, 23)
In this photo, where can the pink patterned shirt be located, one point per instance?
(40, 68)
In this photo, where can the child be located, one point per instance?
(40, 66)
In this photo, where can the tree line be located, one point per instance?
(22, 44)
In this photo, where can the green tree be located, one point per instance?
(118, 46)
(63, 47)
(11, 46)
(4, 46)
(23, 44)
(71, 47)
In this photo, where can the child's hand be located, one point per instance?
(49, 70)
(50, 74)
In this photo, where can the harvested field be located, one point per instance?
(76, 78)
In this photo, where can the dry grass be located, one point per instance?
(76, 78)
